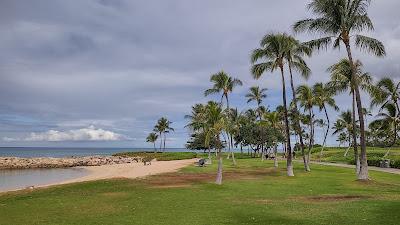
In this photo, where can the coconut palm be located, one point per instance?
(294, 56)
(324, 97)
(163, 127)
(274, 120)
(341, 22)
(216, 123)
(389, 121)
(268, 58)
(152, 138)
(386, 92)
(257, 95)
(341, 81)
(344, 127)
(305, 97)
(222, 82)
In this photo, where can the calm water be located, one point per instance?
(17, 179)
(29, 152)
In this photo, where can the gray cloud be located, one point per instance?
(120, 65)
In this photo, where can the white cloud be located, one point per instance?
(84, 134)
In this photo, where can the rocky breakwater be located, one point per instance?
(46, 162)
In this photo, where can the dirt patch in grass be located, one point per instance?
(334, 198)
(188, 179)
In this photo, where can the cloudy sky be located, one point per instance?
(101, 72)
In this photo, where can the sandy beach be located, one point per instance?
(127, 170)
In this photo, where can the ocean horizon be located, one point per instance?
(59, 152)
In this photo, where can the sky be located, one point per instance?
(100, 73)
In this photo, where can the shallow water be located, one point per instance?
(22, 178)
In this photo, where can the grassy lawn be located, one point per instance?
(252, 193)
(374, 154)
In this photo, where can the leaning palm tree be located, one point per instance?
(268, 58)
(306, 98)
(257, 95)
(152, 138)
(222, 82)
(341, 81)
(324, 97)
(294, 56)
(342, 21)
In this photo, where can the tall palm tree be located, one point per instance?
(324, 97)
(163, 127)
(222, 82)
(341, 80)
(257, 95)
(294, 56)
(216, 122)
(341, 21)
(306, 98)
(271, 55)
(389, 121)
(152, 138)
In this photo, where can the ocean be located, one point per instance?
(30, 152)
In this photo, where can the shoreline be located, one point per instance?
(125, 170)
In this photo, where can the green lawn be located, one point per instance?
(374, 155)
(252, 193)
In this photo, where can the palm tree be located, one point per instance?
(294, 56)
(257, 95)
(222, 82)
(340, 21)
(274, 120)
(152, 138)
(271, 53)
(324, 96)
(216, 123)
(306, 98)
(341, 80)
(163, 127)
(344, 127)
(389, 121)
(386, 92)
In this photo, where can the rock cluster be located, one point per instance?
(46, 162)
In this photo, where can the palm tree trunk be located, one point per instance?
(209, 156)
(276, 155)
(289, 163)
(297, 122)
(311, 143)
(363, 174)
(219, 171)
(233, 154)
(165, 137)
(154, 145)
(161, 141)
(326, 133)
(355, 147)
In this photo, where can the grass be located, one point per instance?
(252, 193)
(374, 154)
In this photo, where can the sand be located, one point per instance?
(128, 170)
